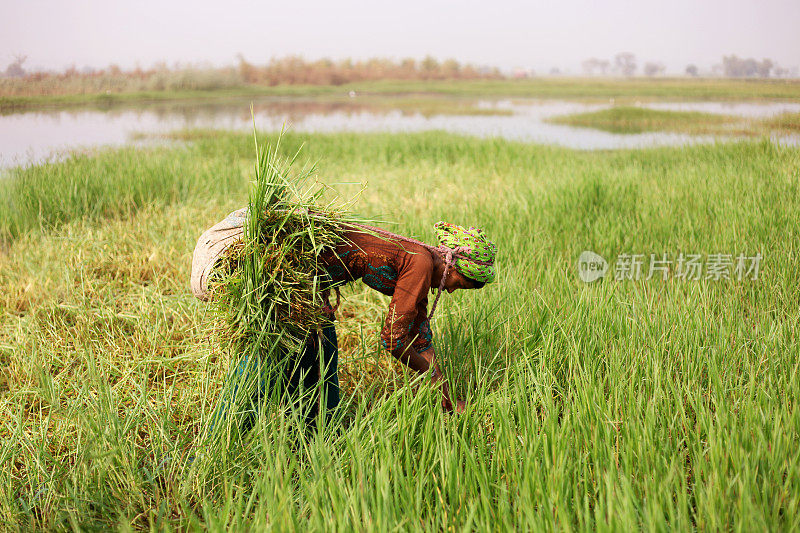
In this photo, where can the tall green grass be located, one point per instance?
(110, 184)
(616, 405)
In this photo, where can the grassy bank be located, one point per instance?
(650, 404)
(624, 89)
(623, 119)
(789, 122)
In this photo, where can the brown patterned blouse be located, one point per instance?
(399, 269)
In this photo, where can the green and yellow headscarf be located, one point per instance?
(472, 252)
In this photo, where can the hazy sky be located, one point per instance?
(504, 33)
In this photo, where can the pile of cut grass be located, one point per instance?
(269, 291)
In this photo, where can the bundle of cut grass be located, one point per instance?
(268, 293)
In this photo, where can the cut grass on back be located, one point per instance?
(269, 297)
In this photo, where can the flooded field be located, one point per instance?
(37, 136)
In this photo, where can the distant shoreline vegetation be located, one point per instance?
(621, 91)
(294, 76)
(284, 71)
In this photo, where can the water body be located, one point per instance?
(37, 136)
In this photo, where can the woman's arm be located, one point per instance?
(406, 331)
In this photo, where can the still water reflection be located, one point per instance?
(31, 137)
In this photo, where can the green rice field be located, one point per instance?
(655, 404)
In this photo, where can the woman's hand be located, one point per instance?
(426, 361)
(447, 403)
